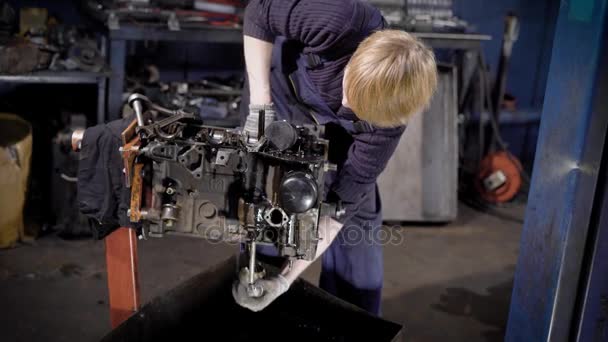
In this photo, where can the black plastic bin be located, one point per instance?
(202, 309)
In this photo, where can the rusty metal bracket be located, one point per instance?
(129, 150)
(136, 193)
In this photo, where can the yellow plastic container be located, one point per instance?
(15, 157)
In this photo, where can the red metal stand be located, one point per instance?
(123, 282)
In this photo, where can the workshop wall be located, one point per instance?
(529, 66)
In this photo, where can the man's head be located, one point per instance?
(390, 77)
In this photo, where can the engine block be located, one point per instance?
(225, 185)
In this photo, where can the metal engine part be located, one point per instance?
(211, 182)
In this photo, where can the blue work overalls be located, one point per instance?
(353, 265)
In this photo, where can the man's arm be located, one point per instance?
(317, 24)
(367, 158)
(328, 230)
(257, 60)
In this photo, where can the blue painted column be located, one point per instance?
(546, 300)
(118, 56)
(592, 314)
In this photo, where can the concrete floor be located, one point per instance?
(447, 283)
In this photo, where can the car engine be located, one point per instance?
(226, 184)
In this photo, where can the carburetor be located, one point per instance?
(224, 184)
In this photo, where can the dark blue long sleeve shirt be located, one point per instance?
(330, 27)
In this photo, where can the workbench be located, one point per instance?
(452, 41)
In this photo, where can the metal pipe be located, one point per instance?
(252, 248)
(139, 112)
(291, 231)
(254, 289)
(510, 37)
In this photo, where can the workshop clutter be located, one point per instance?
(20, 56)
(43, 43)
(15, 156)
(212, 97)
(175, 14)
(421, 15)
(219, 6)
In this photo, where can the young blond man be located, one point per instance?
(333, 62)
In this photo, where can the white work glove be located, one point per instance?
(251, 124)
(273, 287)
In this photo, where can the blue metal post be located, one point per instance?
(118, 55)
(545, 300)
(592, 313)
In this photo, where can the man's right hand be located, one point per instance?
(252, 122)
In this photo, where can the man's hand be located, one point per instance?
(272, 288)
(275, 286)
(252, 123)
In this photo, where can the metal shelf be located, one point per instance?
(457, 41)
(199, 34)
(66, 77)
(55, 77)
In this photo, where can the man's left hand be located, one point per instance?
(272, 288)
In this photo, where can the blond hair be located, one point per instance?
(391, 76)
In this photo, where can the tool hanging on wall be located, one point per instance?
(499, 175)
(498, 178)
(510, 36)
